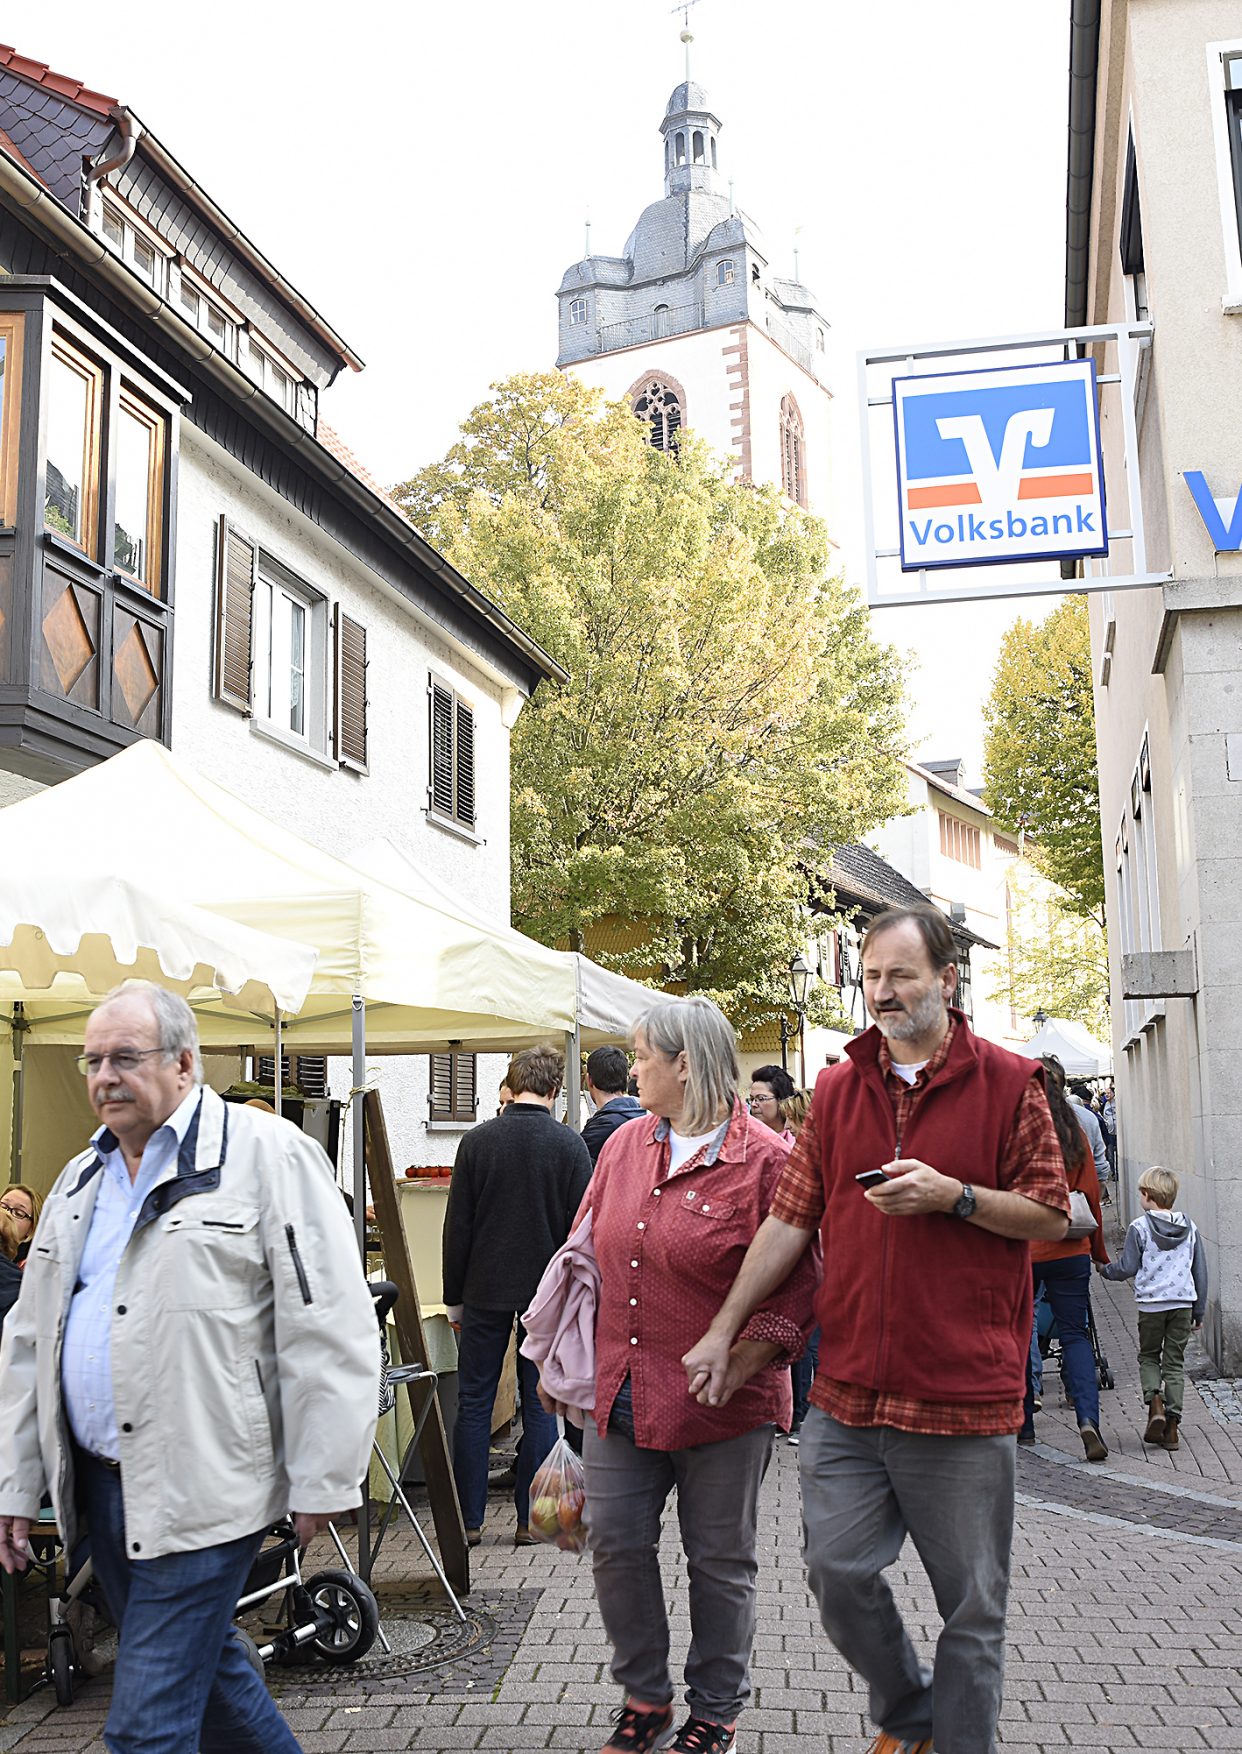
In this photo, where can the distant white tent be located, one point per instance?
(1074, 1045)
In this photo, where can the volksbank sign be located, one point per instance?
(999, 465)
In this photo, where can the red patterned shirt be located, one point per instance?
(1031, 1165)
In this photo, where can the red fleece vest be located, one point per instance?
(929, 1307)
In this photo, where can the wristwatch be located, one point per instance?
(964, 1206)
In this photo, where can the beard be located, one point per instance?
(906, 1025)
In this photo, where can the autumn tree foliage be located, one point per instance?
(729, 717)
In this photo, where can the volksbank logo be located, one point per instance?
(999, 466)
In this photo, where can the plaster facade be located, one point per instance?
(1168, 661)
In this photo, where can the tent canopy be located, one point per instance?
(604, 1004)
(1074, 1045)
(431, 978)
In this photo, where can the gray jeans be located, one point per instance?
(717, 1505)
(863, 1491)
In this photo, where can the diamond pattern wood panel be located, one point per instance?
(69, 658)
(137, 672)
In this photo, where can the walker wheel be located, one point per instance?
(60, 1662)
(348, 1615)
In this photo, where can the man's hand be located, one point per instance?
(307, 1524)
(15, 1552)
(708, 1368)
(558, 1409)
(915, 1188)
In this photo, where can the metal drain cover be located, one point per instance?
(424, 1634)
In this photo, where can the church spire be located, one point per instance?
(690, 133)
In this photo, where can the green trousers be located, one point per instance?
(1163, 1334)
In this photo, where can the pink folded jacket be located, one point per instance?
(560, 1323)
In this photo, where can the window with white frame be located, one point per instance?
(141, 249)
(290, 655)
(267, 371)
(726, 273)
(578, 310)
(207, 315)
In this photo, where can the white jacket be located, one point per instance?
(245, 1368)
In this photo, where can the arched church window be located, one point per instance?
(578, 310)
(793, 451)
(819, 340)
(698, 146)
(661, 322)
(657, 404)
(726, 273)
(668, 156)
(713, 152)
(681, 149)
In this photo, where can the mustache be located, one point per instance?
(119, 1095)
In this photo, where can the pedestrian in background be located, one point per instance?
(1079, 1095)
(770, 1086)
(1063, 1270)
(675, 1201)
(607, 1075)
(516, 1184)
(1164, 1256)
(795, 1110)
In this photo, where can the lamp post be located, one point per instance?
(800, 978)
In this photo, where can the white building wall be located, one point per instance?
(772, 375)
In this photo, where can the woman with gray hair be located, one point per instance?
(675, 1201)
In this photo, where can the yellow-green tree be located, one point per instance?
(729, 717)
(1057, 960)
(1039, 762)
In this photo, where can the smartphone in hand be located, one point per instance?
(872, 1178)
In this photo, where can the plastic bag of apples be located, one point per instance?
(557, 1497)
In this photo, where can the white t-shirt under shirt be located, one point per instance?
(681, 1148)
(909, 1073)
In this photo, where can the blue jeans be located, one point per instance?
(1037, 1357)
(182, 1683)
(481, 1348)
(1067, 1286)
(803, 1375)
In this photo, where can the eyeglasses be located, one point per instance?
(124, 1060)
(758, 1101)
(16, 1212)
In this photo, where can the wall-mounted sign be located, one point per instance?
(1222, 518)
(997, 466)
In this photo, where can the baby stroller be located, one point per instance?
(1050, 1341)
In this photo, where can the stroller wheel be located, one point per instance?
(1107, 1380)
(348, 1612)
(251, 1649)
(60, 1663)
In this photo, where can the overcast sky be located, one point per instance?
(422, 174)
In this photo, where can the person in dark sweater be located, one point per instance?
(517, 1183)
(608, 1073)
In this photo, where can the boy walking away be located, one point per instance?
(1164, 1256)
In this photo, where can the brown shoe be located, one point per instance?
(522, 1536)
(886, 1744)
(1093, 1444)
(1171, 1423)
(1155, 1421)
(473, 1537)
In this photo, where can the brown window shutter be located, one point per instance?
(442, 791)
(466, 1093)
(464, 763)
(453, 1086)
(441, 1096)
(235, 561)
(350, 640)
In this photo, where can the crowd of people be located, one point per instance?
(858, 1267)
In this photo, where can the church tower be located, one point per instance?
(691, 326)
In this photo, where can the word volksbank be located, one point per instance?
(1020, 444)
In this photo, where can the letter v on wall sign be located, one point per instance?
(1222, 520)
(996, 462)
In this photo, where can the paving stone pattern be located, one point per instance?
(1125, 1621)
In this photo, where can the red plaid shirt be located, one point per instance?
(1032, 1165)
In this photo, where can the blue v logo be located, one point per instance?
(1222, 520)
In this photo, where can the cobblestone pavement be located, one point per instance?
(1124, 1632)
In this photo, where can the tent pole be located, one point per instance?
(357, 1081)
(573, 1077)
(277, 1075)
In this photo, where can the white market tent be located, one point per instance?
(1074, 1045)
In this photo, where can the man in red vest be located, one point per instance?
(928, 1162)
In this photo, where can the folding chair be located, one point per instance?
(393, 1377)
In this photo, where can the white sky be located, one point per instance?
(422, 172)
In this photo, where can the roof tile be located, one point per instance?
(64, 85)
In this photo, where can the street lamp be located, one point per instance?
(800, 978)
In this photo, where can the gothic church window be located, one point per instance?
(658, 405)
(578, 310)
(793, 452)
(726, 273)
(698, 146)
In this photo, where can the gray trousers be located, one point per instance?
(863, 1491)
(717, 1506)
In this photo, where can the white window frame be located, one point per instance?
(576, 305)
(208, 299)
(133, 229)
(726, 272)
(1218, 54)
(262, 363)
(273, 582)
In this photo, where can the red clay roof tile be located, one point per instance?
(63, 84)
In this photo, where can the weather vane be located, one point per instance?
(686, 37)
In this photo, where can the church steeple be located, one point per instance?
(690, 132)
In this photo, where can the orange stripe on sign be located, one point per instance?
(965, 493)
(1056, 486)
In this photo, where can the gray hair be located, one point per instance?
(174, 1021)
(701, 1031)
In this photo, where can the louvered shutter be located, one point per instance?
(311, 1074)
(442, 791)
(441, 1098)
(350, 650)
(464, 763)
(453, 1086)
(466, 1092)
(235, 566)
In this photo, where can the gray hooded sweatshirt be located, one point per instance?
(1164, 1256)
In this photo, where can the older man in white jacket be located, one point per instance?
(192, 1357)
